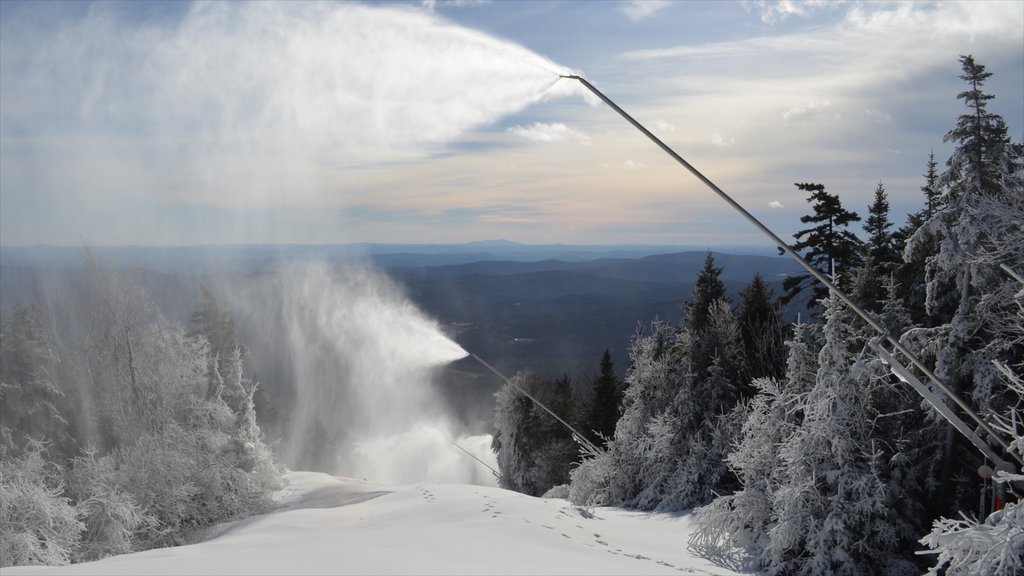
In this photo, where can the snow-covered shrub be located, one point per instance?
(589, 482)
(111, 515)
(38, 525)
(560, 491)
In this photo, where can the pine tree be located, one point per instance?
(763, 333)
(708, 288)
(29, 394)
(832, 506)
(212, 321)
(606, 404)
(880, 241)
(828, 246)
(910, 271)
(738, 524)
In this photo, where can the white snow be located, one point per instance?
(329, 525)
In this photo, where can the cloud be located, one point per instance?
(633, 165)
(662, 125)
(545, 132)
(877, 116)
(773, 11)
(637, 10)
(431, 5)
(775, 204)
(721, 142)
(810, 108)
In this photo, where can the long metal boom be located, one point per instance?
(810, 269)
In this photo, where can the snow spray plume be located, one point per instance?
(362, 359)
(230, 101)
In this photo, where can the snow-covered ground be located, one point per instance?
(330, 525)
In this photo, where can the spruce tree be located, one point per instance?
(606, 404)
(832, 507)
(762, 330)
(880, 241)
(708, 288)
(963, 245)
(828, 245)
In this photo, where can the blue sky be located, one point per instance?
(172, 123)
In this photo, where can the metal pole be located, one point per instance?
(810, 269)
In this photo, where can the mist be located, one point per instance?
(362, 362)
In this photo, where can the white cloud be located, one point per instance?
(878, 116)
(662, 125)
(773, 11)
(545, 132)
(431, 5)
(633, 165)
(775, 204)
(637, 10)
(721, 142)
(810, 108)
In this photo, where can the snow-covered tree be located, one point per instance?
(29, 392)
(737, 524)
(534, 451)
(968, 295)
(832, 508)
(38, 524)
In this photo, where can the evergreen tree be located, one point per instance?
(606, 404)
(29, 393)
(762, 331)
(931, 189)
(212, 321)
(742, 520)
(708, 288)
(880, 239)
(983, 155)
(832, 507)
(534, 451)
(828, 246)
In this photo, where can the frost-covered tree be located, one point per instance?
(640, 459)
(29, 391)
(708, 289)
(534, 451)
(38, 524)
(968, 295)
(736, 525)
(111, 515)
(833, 513)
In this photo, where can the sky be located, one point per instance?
(170, 123)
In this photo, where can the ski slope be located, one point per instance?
(329, 525)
